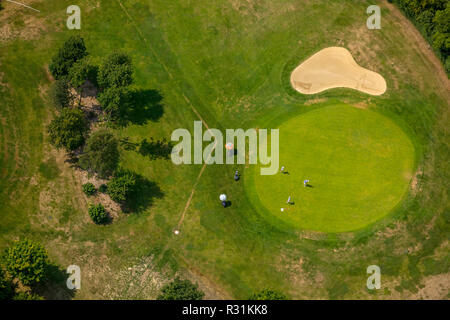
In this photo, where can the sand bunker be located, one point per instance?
(335, 67)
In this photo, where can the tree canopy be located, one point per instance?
(81, 71)
(27, 261)
(116, 71)
(68, 129)
(433, 19)
(101, 154)
(59, 93)
(181, 290)
(121, 186)
(72, 50)
(268, 294)
(112, 100)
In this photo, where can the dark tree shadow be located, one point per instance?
(155, 148)
(143, 195)
(54, 287)
(141, 106)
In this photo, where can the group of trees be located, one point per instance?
(27, 262)
(72, 67)
(433, 19)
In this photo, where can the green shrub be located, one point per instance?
(27, 261)
(268, 294)
(98, 213)
(27, 296)
(181, 290)
(68, 129)
(101, 154)
(72, 50)
(59, 94)
(121, 186)
(89, 189)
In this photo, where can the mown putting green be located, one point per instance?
(359, 164)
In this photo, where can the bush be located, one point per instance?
(27, 261)
(81, 71)
(116, 71)
(181, 290)
(27, 296)
(59, 93)
(6, 287)
(98, 213)
(103, 188)
(68, 129)
(89, 189)
(112, 99)
(72, 51)
(268, 294)
(121, 186)
(101, 154)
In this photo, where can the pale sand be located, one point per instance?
(335, 67)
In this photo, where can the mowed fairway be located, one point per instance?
(359, 164)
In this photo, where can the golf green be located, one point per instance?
(358, 161)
